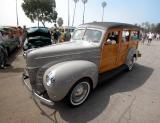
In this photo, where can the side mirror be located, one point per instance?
(106, 43)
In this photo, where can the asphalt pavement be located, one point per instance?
(130, 97)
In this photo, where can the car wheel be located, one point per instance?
(131, 63)
(2, 60)
(79, 93)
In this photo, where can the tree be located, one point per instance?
(147, 26)
(84, 2)
(157, 28)
(75, 1)
(60, 21)
(40, 10)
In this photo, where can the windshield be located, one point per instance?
(88, 34)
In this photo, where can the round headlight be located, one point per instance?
(50, 78)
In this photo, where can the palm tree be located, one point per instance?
(68, 14)
(17, 14)
(75, 1)
(103, 6)
(84, 2)
(60, 21)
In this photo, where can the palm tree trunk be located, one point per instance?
(38, 22)
(68, 14)
(102, 14)
(17, 14)
(74, 14)
(83, 14)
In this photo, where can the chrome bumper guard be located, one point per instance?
(40, 98)
(139, 54)
(24, 54)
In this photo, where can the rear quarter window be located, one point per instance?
(135, 35)
(125, 35)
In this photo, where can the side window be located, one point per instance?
(78, 34)
(125, 36)
(112, 37)
(135, 35)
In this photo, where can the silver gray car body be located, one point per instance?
(67, 63)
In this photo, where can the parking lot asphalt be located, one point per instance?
(131, 97)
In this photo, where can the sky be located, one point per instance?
(126, 11)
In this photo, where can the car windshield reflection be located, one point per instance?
(87, 35)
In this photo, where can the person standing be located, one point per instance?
(24, 33)
(150, 36)
(67, 35)
(1, 36)
(143, 38)
(61, 39)
(3, 53)
(56, 35)
(19, 36)
(157, 36)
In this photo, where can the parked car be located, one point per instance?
(71, 70)
(37, 37)
(9, 43)
(3, 56)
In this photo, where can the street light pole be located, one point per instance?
(17, 14)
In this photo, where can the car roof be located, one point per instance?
(2, 30)
(32, 32)
(7, 28)
(107, 25)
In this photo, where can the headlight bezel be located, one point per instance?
(50, 78)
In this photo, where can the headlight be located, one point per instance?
(25, 47)
(50, 78)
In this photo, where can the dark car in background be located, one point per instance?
(3, 55)
(10, 43)
(7, 45)
(37, 37)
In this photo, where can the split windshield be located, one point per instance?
(87, 35)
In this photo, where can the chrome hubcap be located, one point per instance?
(80, 93)
(2, 61)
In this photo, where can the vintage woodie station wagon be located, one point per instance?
(70, 71)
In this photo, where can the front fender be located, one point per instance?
(67, 74)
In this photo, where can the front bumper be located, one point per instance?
(26, 82)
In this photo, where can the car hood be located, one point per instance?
(62, 51)
(36, 42)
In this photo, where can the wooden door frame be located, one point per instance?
(104, 40)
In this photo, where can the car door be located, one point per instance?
(109, 52)
(123, 47)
